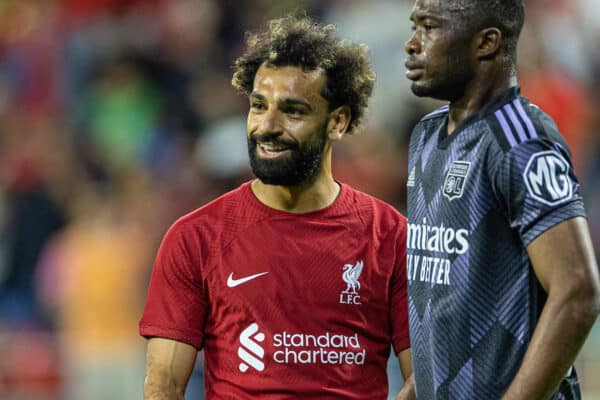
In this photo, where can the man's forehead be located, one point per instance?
(292, 75)
(444, 5)
(289, 81)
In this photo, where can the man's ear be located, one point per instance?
(339, 120)
(488, 42)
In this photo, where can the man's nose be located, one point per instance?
(269, 122)
(413, 44)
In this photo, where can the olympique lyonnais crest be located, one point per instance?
(454, 184)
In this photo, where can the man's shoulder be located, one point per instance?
(215, 213)
(375, 210)
(429, 124)
(519, 121)
(438, 113)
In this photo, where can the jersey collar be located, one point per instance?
(507, 96)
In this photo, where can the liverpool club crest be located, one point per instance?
(350, 276)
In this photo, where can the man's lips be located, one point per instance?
(270, 149)
(413, 70)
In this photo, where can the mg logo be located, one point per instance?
(249, 351)
(547, 178)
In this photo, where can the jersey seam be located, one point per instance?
(191, 338)
(532, 225)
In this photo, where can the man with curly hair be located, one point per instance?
(294, 284)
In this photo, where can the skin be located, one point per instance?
(407, 392)
(562, 258)
(564, 262)
(286, 103)
(169, 365)
(447, 63)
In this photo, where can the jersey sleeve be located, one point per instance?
(537, 187)
(398, 293)
(176, 304)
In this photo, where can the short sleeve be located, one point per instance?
(398, 293)
(176, 304)
(537, 187)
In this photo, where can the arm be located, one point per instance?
(408, 388)
(564, 262)
(169, 365)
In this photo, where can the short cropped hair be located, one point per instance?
(506, 15)
(298, 41)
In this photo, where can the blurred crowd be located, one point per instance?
(117, 116)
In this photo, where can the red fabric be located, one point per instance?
(77, 10)
(307, 321)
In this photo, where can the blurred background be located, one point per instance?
(117, 116)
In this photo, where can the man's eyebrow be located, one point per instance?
(296, 102)
(291, 101)
(257, 96)
(421, 15)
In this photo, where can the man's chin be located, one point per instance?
(420, 91)
(433, 93)
(272, 173)
(281, 176)
(278, 180)
(270, 181)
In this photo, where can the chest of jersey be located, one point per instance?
(450, 203)
(296, 304)
(326, 267)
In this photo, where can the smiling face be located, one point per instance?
(440, 61)
(287, 125)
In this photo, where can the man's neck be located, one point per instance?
(475, 98)
(298, 199)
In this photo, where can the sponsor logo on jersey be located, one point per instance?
(454, 184)
(236, 282)
(430, 249)
(411, 181)
(328, 348)
(547, 178)
(250, 352)
(299, 348)
(351, 275)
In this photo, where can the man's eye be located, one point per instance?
(294, 111)
(429, 25)
(257, 106)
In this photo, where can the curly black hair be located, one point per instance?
(299, 41)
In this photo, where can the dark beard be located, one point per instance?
(301, 166)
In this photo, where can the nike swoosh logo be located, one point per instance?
(236, 282)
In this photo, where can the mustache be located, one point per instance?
(273, 138)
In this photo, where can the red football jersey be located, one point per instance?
(285, 305)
